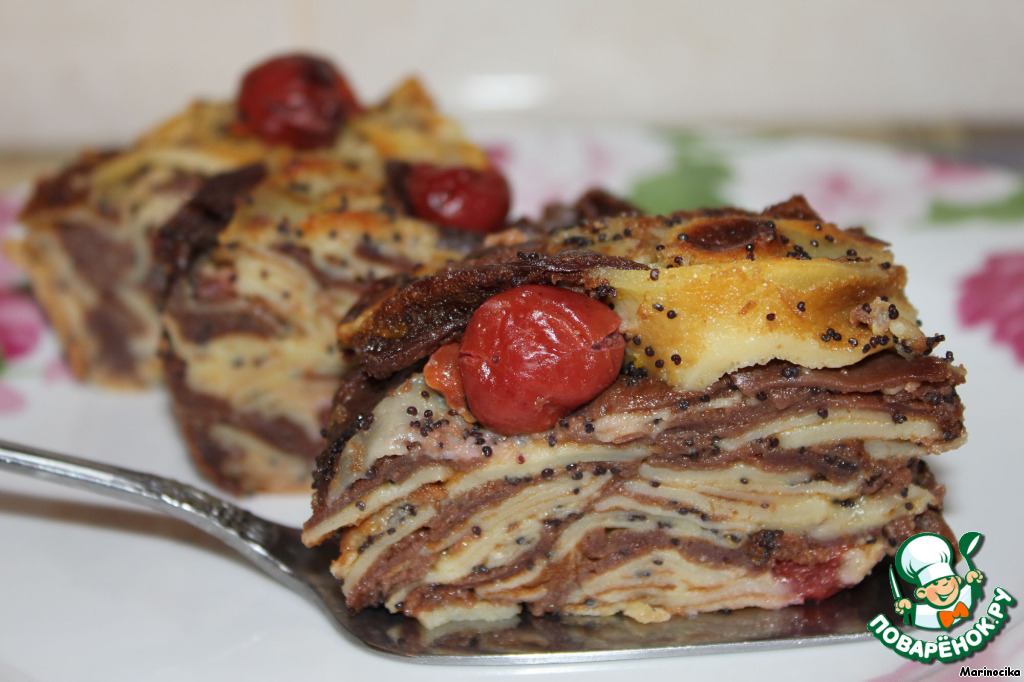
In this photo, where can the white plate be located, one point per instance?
(95, 590)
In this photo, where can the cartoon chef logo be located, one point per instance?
(944, 600)
(926, 560)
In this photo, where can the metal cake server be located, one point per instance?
(277, 550)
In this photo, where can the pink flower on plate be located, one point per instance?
(21, 322)
(941, 171)
(21, 325)
(10, 400)
(994, 294)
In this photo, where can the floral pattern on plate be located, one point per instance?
(929, 206)
(994, 295)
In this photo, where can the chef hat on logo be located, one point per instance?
(924, 558)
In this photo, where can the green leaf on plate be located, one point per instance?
(1010, 208)
(694, 181)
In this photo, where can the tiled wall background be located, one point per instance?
(94, 72)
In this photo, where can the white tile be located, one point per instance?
(101, 71)
(77, 71)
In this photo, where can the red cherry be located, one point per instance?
(814, 581)
(442, 374)
(296, 99)
(463, 197)
(533, 354)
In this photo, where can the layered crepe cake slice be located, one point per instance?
(250, 350)
(87, 243)
(260, 275)
(761, 442)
